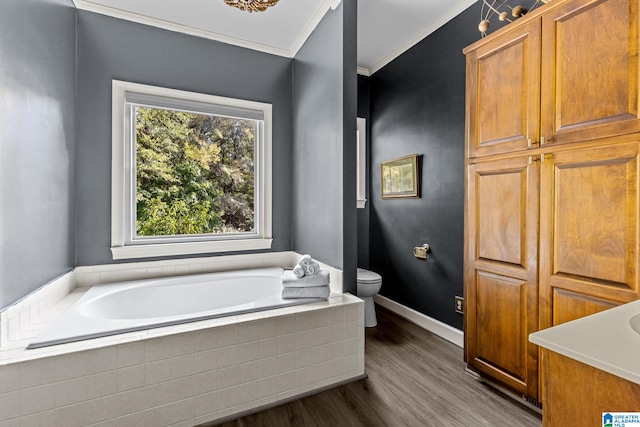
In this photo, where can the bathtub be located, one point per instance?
(117, 308)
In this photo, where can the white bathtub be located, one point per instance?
(136, 305)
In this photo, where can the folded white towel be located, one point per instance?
(290, 280)
(309, 266)
(308, 292)
(304, 258)
(298, 271)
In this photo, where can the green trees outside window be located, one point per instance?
(194, 173)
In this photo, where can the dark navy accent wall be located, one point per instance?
(324, 116)
(417, 106)
(37, 78)
(110, 48)
(363, 213)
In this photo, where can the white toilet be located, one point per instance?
(369, 284)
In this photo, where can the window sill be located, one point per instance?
(173, 249)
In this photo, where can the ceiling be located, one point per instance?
(386, 28)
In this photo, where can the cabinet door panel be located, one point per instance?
(501, 209)
(501, 271)
(590, 70)
(568, 306)
(588, 227)
(501, 324)
(503, 98)
(591, 220)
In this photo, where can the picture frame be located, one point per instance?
(399, 177)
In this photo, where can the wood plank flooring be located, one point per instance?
(415, 379)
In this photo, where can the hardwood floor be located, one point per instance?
(415, 379)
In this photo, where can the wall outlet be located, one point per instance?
(459, 304)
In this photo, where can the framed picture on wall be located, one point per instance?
(400, 177)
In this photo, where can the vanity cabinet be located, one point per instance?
(576, 394)
(552, 191)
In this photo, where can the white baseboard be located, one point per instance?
(449, 333)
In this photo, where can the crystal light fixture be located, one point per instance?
(252, 5)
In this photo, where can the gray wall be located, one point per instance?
(349, 143)
(417, 106)
(324, 113)
(37, 76)
(109, 49)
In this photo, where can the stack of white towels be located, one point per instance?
(306, 280)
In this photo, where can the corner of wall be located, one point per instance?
(19, 315)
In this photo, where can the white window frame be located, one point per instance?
(123, 245)
(361, 155)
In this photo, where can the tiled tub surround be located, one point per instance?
(25, 319)
(187, 374)
(118, 308)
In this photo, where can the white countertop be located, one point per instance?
(604, 340)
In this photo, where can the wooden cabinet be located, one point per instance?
(590, 70)
(576, 394)
(501, 271)
(567, 72)
(503, 92)
(552, 187)
(588, 230)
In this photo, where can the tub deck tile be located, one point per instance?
(193, 374)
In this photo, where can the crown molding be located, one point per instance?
(454, 11)
(172, 26)
(287, 53)
(311, 25)
(363, 71)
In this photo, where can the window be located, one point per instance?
(191, 173)
(361, 179)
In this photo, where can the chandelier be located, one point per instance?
(252, 5)
(501, 8)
